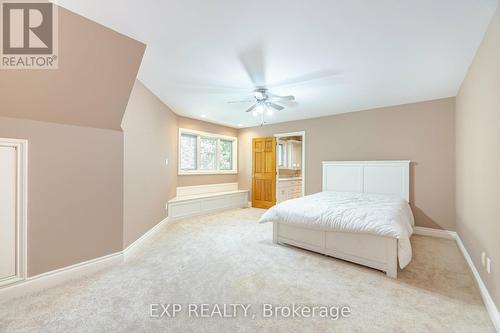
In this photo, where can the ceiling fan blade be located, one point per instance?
(275, 106)
(277, 98)
(252, 60)
(242, 101)
(250, 109)
(319, 75)
(208, 89)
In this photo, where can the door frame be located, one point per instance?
(21, 147)
(303, 135)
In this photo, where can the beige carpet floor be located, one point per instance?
(229, 258)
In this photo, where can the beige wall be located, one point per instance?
(422, 132)
(97, 69)
(94, 190)
(75, 208)
(203, 126)
(151, 133)
(478, 157)
(75, 185)
(150, 137)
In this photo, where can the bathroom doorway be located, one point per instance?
(290, 165)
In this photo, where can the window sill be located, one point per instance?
(208, 172)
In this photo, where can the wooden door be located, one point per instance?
(8, 181)
(263, 172)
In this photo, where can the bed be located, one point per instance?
(362, 215)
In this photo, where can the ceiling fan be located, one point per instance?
(264, 103)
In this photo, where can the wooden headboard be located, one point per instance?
(388, 177)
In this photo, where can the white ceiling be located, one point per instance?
(384, 52)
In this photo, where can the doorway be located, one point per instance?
(13, 210)
(290, 165)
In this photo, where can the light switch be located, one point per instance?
(166, 161)
(488, 265)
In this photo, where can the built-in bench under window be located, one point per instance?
(201, 199)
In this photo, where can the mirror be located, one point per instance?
(289, 153)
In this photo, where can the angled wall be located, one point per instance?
(150, 139)
(478, 157)
(151, 133)
(71, 118)
(97, 69)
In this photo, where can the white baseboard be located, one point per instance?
(439, 233)
(130, 249)
(488, 301)
(52, 278)
(58, 276)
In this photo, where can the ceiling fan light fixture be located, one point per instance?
(264, 103)
(260, 108)
(259, 94)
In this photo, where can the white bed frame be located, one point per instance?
(379, 252)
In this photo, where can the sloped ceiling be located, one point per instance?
(384, 52)
(97, 70)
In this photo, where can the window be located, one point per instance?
(189, 154)
(226, 154)
(206, 153)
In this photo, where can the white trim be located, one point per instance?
(488, 301)
(188, 206)
(57, 276)
(431, 232)
(199, 197)
(21, 147)
(183, 191)
(234, 141)
(303, 166)
(60, 275)
(136, 244)
(207, 172)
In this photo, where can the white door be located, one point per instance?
(8, 185)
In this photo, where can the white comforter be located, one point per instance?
(376, 214)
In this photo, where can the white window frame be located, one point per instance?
(199, 134)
